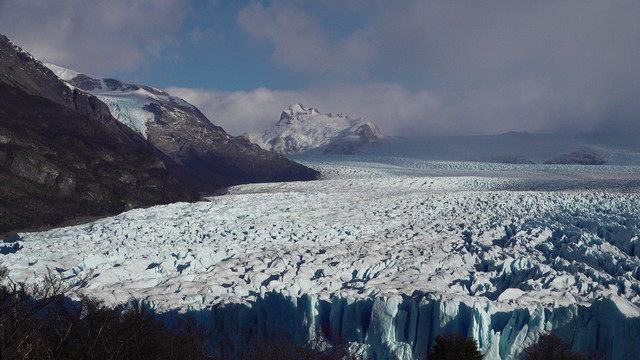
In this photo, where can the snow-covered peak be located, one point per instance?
(294, 113)
(62, 73)
(367, 129)
(303, 128)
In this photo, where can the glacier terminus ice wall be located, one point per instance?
(404, 327)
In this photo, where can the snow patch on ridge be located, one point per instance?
(62, 73)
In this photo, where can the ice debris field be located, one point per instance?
(383, 251)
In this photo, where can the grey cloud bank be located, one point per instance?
(93, 36)
(491, 66)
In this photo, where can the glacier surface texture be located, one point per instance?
(388, 252)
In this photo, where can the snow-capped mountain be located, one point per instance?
(302, 129)
(183, 133)
(63, 156)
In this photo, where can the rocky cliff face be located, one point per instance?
(184, 134)
(62, 155)
(580, 157)
(351, 142)
(303, 129)
(57, 165)
(23, 71)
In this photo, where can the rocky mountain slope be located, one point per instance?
(184, 134)
(62, 155)
(582, 157)
(301, 129)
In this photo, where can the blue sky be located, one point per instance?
(415, 67)
(214, 52)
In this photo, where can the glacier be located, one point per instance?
(385, 252)
(130, 103)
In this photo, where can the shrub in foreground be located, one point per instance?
(40, 322)
(551, 347)
(454, 347)
(284, 348)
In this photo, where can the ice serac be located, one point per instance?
(302, 129)
(404, 327)
(184, 134)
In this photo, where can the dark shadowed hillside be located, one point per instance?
(56, 164)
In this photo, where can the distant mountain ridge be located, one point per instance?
(595, 148)
(183, 133)
(302, 129)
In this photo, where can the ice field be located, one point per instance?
(385, 251)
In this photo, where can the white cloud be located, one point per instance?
(299, 40)
(196, 35)
(395, 109)
(524, 105)
(93, 36)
